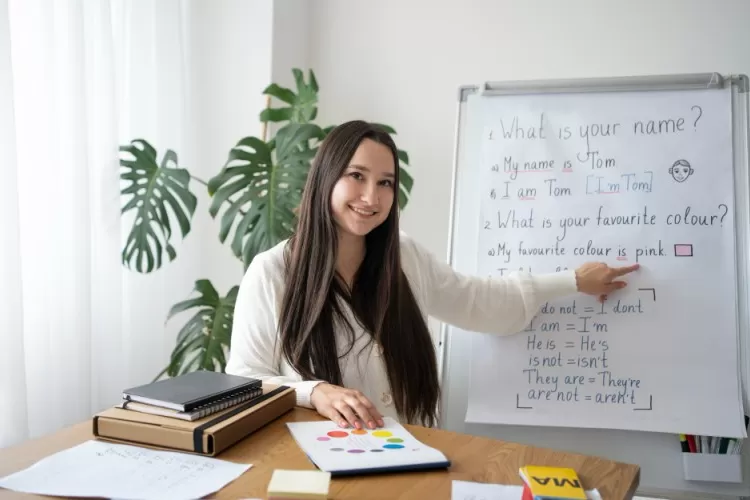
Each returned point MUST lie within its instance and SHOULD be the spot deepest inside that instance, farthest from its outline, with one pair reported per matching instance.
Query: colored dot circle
(337, 449)
(323, 438)
(395, 440)
(338, 434)
(393, 446)
(356, 451)
(382, 434)
(359, 431)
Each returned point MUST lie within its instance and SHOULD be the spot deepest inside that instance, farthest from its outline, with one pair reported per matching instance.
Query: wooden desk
(473, 459)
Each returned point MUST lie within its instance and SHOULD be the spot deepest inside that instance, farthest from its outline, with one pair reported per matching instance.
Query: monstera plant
(254, 194)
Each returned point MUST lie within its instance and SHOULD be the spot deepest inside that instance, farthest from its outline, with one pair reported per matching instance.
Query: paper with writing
(469, 490)
(621, 178)
(100, 469)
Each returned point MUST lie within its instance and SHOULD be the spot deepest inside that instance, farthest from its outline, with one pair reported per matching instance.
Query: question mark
(700, 113)
(726, 210)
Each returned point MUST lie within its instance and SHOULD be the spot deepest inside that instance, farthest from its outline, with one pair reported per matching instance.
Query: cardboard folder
(207, 436)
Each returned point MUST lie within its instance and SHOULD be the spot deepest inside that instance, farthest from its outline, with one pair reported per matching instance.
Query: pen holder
(712, 467)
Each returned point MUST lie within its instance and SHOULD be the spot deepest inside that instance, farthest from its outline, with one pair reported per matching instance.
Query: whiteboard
(643, 175)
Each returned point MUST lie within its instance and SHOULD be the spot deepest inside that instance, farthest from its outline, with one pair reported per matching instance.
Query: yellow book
(548, 483)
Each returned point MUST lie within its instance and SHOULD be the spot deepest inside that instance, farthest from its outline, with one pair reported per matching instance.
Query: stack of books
(201, 412)
(551, 483)
(191, 396)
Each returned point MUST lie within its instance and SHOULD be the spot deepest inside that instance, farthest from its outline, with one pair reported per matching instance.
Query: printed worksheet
(390, 447)
(101, 469)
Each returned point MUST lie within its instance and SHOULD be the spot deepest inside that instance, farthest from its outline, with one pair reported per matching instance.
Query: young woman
(338, 311)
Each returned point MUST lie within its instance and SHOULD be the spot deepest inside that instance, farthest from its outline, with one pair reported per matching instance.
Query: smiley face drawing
(681, 170)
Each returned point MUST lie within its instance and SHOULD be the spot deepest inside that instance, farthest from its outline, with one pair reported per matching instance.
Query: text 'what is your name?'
(541, 128)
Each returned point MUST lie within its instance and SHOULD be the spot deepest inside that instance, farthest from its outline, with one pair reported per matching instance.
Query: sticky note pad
(298, 484)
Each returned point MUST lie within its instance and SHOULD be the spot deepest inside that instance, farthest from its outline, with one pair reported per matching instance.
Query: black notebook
(191, 390)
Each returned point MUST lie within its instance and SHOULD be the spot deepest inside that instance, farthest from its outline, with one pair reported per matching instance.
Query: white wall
(231, 60)
(291, 40)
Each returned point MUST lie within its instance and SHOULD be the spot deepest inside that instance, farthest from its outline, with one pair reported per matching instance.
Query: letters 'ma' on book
(551, 483)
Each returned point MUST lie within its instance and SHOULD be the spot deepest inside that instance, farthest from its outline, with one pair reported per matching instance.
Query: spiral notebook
(192, 391)
(199, 412)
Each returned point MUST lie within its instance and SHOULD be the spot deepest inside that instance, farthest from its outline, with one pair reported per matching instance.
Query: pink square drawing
(683, 250)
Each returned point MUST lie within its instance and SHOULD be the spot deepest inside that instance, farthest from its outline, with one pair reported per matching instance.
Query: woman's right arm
(253, 350)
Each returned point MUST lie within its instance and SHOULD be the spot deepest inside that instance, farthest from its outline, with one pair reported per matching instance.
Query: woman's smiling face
(363, 195)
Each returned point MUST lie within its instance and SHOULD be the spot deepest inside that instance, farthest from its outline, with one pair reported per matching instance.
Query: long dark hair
(380, 296)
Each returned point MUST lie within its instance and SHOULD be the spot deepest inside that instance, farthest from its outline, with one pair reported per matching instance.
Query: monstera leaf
(202, 341)
(302, 105)
(154, 190)
(260, 186)
(406, 182)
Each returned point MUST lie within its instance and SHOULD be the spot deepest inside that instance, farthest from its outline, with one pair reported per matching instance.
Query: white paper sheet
(469, 490)
(622, 179)
(100, 469)
(334, 449)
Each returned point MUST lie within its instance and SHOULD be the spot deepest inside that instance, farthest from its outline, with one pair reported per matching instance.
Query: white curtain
(77, 79)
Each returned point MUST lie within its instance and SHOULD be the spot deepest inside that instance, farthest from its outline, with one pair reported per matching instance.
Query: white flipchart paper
(621, 178)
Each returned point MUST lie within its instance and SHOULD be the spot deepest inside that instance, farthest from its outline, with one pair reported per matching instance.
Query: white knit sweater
(499, 306)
